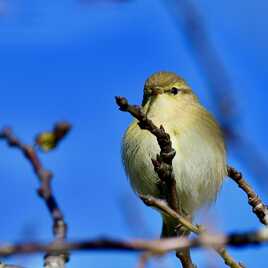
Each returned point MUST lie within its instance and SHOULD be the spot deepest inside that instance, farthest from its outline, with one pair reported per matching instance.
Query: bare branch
(45, 190)
(258, 207)
(163, 206)
(156, 247)
(163, 163)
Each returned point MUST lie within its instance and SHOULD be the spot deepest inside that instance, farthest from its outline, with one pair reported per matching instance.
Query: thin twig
(163, 163)
(44, 191)
(258, 207)
(164, 207)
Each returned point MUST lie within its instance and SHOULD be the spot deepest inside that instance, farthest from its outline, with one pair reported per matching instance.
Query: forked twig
(45, 192)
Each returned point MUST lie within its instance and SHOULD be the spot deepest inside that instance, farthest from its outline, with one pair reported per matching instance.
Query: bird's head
(165, 83)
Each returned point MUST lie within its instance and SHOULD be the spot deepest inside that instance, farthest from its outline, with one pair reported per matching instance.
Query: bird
(199, 165)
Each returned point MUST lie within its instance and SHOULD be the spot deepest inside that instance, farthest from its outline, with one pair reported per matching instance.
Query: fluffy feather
(199, 164)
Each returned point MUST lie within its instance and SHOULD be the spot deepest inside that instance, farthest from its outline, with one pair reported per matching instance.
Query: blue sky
(67, 61)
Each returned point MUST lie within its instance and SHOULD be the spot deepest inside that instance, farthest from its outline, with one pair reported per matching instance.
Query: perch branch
(163, 162)
(163, 167)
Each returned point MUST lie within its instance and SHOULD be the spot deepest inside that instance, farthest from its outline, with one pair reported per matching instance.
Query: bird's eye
(174, 91)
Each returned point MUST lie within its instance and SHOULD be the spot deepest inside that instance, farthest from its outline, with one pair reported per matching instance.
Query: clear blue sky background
(65, 60)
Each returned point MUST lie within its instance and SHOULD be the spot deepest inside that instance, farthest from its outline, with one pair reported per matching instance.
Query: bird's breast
(199, 165)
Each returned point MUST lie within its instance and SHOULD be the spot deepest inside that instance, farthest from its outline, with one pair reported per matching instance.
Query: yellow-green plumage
(199, 165)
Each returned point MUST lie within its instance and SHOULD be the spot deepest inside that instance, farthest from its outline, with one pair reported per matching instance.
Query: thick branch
(258, 207)
(156, 247)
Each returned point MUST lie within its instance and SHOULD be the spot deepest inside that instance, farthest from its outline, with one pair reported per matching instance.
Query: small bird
(200, 161)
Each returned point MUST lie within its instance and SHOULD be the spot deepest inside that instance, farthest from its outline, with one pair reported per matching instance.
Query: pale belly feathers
(199, 165)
